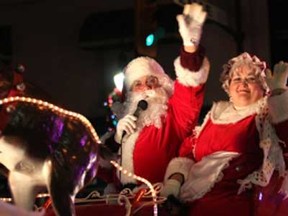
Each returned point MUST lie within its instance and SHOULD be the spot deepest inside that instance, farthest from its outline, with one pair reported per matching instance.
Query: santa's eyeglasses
(146, 82)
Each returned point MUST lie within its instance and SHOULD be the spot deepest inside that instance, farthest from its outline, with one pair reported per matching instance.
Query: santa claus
(150, 139)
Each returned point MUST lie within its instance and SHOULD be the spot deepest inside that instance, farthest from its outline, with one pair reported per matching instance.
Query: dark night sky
(46, 36)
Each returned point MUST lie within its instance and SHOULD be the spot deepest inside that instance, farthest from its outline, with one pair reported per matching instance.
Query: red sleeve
(186, 104)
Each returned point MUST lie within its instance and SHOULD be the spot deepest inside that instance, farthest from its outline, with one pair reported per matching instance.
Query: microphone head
(142, 104)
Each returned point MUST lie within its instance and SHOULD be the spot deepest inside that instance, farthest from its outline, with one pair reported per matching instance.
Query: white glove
(127, 124)
(171, 187)
(278, 79)
(190, 24)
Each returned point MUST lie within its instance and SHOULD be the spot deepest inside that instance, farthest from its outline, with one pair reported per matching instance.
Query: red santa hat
(143, 66)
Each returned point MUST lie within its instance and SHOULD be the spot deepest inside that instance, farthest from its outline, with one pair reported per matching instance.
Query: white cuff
(171, 187)
(278, 107)
(180, 165)
(192, 78)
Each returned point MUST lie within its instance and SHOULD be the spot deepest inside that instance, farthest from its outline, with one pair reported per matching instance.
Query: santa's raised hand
(190, 23)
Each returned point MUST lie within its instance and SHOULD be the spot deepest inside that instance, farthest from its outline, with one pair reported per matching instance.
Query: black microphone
(141, 106)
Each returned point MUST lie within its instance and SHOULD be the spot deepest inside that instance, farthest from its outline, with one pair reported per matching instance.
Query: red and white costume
(233, 150)
(148, 151)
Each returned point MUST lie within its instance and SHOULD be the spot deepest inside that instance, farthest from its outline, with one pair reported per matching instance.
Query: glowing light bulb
(118, 81)
(150, 39)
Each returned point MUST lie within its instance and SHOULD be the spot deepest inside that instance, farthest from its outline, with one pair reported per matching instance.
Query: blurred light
(110, 101)
(118, 81)
(150, 40)
(260, 196)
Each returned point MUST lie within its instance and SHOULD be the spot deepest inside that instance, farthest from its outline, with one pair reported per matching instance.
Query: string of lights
(55, 109)
(143, 180)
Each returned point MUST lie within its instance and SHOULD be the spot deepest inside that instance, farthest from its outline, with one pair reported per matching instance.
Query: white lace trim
(273, 154)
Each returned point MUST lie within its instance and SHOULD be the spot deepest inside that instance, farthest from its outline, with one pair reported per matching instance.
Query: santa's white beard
(157, 106)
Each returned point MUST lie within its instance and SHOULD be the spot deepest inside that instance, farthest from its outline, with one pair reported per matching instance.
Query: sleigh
(125, 203)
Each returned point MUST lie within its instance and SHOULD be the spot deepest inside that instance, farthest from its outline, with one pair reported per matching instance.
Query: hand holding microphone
(127, 125)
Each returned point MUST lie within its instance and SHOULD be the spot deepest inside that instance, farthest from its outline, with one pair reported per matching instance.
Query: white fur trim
(192, 78)
(127, 158)
(278, 107)
(142, 66)
(178, 165)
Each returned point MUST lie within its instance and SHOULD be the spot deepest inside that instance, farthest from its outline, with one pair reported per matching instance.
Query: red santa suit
(148, 151)
(234, 152)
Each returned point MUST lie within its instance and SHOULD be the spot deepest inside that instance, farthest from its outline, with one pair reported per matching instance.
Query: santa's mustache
(153, 97)
(157, 106)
